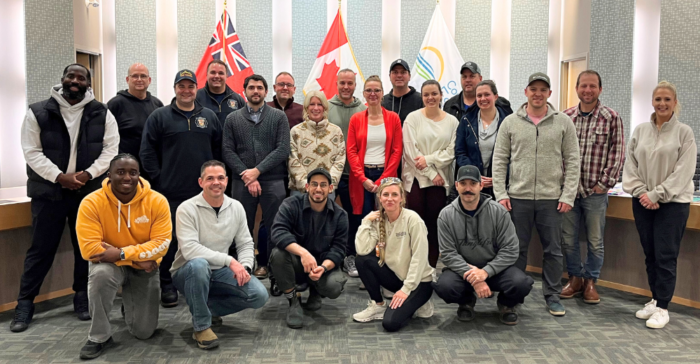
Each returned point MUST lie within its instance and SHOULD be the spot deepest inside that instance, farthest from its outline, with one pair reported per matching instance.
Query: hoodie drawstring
(119, 216)
(128, 221)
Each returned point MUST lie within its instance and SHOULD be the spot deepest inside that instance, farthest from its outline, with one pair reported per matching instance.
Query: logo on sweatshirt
(141, 220)
(201, 122)
(232, 104)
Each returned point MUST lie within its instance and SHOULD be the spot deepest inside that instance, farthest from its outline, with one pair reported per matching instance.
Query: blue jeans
(215, 292)
(370, 198)
(592, 209)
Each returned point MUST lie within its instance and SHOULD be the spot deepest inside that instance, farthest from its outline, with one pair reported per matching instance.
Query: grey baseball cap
(470, 66)
(539, 76)
(469, 172)
(399, 62)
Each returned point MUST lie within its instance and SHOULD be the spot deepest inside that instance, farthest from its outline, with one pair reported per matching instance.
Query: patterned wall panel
(528, 44)
(49, 45)
(612, 36)
(253, 19)
(679, 56)
(196, 20)
(309, 28)
(415, 18)
(135, 26)
(364, 25)
(473, 32)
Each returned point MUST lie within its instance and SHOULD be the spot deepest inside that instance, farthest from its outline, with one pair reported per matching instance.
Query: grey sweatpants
(140, 295)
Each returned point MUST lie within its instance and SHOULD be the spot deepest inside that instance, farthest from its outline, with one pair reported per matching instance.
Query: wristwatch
(249, 270)
(325, 270)
(121, 254)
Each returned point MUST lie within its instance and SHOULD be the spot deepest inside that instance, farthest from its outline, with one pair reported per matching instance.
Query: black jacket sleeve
(151, 148)
(340, 241)
(282, 229)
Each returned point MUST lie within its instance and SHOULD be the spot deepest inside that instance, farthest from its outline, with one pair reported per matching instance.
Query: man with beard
(177, 140)
(402, 99)
(216, 95)
(131, 108)
(124, 230)
(256, 148)
(309, 234)
(68, 141)
(479, 249)
(284, 99)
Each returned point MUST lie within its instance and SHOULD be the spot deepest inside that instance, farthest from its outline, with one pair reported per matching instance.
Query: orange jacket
(142, 227)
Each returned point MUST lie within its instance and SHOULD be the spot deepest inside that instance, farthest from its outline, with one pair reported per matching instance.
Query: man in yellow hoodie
(124, 230)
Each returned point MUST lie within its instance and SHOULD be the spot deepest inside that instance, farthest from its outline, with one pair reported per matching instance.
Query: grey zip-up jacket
(340, 114)
(538, 156)
(487, 240)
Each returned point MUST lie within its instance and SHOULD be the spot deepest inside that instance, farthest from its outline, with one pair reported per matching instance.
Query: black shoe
(23, 316)
(315, 301)
(295, 314)
(123, 314)
(465, 313)
(168, 298)
(508, 315)
(274, 289)
(81, 305)
(92, 350)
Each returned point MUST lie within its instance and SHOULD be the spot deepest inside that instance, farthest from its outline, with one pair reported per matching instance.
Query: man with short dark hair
(601, 143)
(463, 105)
(479, 249)
(284, 99)
(256, 147)
(68, 141)
(538, 145)
(124, 230)
(309, 234)
(216, 95)
(131, 108)
(177, 139)
(402, 99)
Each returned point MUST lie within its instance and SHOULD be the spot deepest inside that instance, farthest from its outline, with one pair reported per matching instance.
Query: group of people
(162, 200)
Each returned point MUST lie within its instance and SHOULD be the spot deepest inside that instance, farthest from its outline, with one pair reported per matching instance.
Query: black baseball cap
(185, 74)
(399, 62)
(539, 76)
(319, 170)
(470, 66)
(469, 172)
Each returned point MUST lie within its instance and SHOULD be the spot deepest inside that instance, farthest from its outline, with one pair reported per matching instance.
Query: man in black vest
(131, 108)
(68, 141)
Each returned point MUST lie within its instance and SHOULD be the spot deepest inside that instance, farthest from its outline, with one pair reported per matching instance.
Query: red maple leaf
(327, 81)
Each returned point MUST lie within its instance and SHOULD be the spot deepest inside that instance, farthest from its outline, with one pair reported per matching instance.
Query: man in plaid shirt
(601, 143)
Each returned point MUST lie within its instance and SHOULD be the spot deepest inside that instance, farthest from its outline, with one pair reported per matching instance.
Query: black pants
(427, 203)
(48, 221)
(661, 232)
(512, 283)
(373, 276)
(273, 193)
(354, 221)
(166, 280)
(289, 271)
(544, 216)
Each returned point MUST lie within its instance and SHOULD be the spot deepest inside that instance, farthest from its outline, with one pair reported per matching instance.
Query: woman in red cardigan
(374, 148)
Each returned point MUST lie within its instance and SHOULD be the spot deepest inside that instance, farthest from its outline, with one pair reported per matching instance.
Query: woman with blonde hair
(392, 252)
(658, 173)
(315, 143)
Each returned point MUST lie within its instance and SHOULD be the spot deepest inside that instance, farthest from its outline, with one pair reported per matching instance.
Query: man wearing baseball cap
(538, 144)
(402, 99)
(177, 139)
(463, 105)
(479, 249)
(310, 234)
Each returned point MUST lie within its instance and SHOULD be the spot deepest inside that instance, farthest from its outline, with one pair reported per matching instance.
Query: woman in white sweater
(658, 173)
(428, 161)
(315, 143)
(392, 252)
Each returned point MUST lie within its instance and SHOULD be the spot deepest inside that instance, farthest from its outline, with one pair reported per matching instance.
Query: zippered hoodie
(403, 105)
(142, 227)
(340, 114)
(230, 103)
(538, 156)
(486, 240)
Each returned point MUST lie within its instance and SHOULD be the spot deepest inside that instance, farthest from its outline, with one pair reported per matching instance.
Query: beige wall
(87, 25)
(576, 28)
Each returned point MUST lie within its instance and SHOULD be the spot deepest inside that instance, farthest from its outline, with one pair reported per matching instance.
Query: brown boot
(590, 295)
(573, 288)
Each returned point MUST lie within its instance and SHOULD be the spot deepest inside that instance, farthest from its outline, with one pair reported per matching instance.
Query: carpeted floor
(604, 333)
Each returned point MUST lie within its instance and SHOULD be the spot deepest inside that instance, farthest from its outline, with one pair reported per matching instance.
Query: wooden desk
(620, 207)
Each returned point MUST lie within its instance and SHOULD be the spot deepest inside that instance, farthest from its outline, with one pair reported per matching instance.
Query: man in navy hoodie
(216, 95)
(177, 140)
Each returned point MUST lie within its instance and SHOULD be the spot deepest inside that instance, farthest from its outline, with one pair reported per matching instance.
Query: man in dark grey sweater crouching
(479, 248)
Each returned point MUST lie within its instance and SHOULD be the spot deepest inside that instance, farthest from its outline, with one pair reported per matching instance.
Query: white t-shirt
(376, 144)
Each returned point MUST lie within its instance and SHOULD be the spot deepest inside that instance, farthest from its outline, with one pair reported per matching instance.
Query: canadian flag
(335, 54)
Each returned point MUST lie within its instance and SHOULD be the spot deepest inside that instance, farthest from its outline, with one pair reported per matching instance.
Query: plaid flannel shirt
(602, 146)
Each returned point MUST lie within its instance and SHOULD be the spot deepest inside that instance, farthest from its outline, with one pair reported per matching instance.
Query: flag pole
(224, 24)
(340, 15)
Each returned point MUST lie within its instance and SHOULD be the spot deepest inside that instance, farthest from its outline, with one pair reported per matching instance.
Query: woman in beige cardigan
(315, 143)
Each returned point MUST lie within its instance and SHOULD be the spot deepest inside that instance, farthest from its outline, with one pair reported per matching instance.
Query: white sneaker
(371, 313)
(648, 310)
(425, 311)
(387, 293)
(659, 319)
(350, 267)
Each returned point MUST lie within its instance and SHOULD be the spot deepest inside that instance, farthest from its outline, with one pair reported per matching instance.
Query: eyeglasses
(316, 184)
(390, 180)
(370, 91)
(283, 85)
(141, 76)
